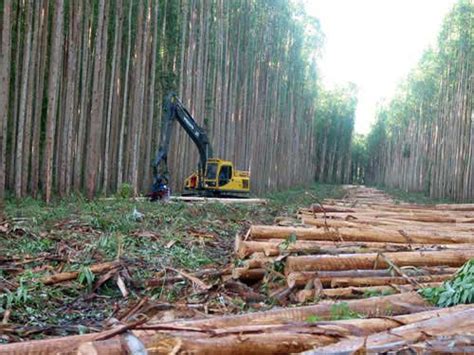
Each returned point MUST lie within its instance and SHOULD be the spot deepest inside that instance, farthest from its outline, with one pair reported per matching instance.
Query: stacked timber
(333, 265)
(364, 244)
(279, 331)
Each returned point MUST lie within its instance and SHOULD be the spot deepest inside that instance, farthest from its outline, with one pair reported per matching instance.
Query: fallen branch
(71, 275)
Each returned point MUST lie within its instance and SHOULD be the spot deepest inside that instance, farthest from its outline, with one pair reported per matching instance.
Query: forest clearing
(337, 276)
(184, 177)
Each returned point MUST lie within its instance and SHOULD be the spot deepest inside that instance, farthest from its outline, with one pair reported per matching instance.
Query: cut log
(153, 338)
(273, 247)
(357, 292)
(326, 209)
(382, 281)
(353, 234)
(300, 279)
(453, 258)
(336, 223)
(462, 224)
(373, 307)
(455, 207)
(459, 322)
(273, 339)
(248, 275)
(71, 275)
(267, 343)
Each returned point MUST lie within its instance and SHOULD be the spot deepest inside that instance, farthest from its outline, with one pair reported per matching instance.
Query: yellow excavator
(213, 177)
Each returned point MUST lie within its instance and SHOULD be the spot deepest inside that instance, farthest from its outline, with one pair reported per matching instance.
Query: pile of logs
(387, 323)
(359, 246)
(363, 255)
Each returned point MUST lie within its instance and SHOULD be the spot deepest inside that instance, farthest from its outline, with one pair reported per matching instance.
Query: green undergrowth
(338, 311)
(458, 290)
(73, 234)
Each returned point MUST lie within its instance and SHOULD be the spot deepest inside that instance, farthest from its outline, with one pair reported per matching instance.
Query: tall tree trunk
(53, 96)
(25, 78)
(5, 53)
(115, 58)
(120, 165)
(97, 107)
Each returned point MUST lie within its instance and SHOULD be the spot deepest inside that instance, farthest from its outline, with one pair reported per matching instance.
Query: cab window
(211, 172)
(225, 175)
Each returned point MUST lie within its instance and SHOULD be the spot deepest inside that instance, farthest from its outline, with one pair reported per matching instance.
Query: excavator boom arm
(174, 110)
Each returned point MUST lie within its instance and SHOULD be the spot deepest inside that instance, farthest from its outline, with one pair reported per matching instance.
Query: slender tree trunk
(39, 94)
(120, 166)
(115, 58)
(5, 53)
(53, 96)
(95, 128)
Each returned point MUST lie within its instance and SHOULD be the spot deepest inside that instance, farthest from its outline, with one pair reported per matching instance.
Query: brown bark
(454, 258)
(116, 55)
(366, 277)
(97, 107)
(273, 247)
(248, 275)
(25, 79)
(351, 234)
(39, 89)
(458, 322)
(373, 307)
(381, 281)
(71, 275)
(5, 53)
(358, 292)
(216, 331)
(53, 96)
(66, 154)
(121, 152)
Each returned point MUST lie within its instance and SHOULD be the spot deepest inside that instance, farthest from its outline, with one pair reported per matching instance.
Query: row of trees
(423, 139)
(82, 84)
(334, 126)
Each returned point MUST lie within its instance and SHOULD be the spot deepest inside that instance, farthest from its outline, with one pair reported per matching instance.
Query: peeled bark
(234, 331)
(458, 322)
(373, 307)
(380, 281)
(357, 292)
(365, 277)
(454, 258)
(351, 234)
(275, 247)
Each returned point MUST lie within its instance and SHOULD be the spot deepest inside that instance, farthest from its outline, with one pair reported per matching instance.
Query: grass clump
(125, 191)
(341, 311)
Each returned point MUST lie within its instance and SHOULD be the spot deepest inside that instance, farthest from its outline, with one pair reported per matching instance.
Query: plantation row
(83, 82)
(423, 139)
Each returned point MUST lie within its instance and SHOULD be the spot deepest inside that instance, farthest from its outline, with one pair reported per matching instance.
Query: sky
(375, 43)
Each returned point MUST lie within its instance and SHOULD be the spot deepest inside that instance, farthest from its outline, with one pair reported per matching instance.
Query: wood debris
(352, 288)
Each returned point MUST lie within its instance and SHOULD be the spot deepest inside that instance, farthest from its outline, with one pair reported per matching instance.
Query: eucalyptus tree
(426, 133)
(82, 87)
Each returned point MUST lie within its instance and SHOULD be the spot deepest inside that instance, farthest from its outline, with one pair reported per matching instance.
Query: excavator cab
(220, 177)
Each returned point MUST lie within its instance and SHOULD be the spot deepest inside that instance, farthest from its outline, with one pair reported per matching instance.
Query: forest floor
(140, 260)
(330, 268)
